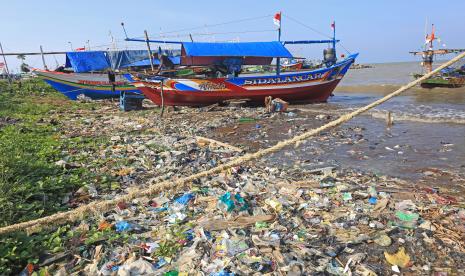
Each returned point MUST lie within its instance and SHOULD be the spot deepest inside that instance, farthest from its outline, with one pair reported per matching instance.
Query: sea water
(428, 130)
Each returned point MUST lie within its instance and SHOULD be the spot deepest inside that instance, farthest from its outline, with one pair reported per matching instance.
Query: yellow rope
(97, 207)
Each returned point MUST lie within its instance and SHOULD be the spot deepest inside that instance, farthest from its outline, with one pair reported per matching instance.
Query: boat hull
(311, 94)
(444, 83)
(297, 87)
(94, 86)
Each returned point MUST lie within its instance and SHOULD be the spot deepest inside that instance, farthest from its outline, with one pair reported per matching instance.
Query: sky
(381, 31)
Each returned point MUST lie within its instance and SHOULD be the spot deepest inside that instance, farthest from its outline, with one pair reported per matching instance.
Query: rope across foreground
(99, 207)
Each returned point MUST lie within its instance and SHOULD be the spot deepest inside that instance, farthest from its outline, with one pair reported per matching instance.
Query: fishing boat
(293, 87)
(448, 77)
(226, 81)
(291, 65)
(92, 85)
(97, 74)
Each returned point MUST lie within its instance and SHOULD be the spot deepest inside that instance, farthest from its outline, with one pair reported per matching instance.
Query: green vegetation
(173, 242)
(31, 184)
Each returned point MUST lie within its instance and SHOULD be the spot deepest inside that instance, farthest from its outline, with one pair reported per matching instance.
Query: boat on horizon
(448, 77)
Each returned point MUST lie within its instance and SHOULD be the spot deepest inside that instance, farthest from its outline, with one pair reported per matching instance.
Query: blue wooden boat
(93, 73)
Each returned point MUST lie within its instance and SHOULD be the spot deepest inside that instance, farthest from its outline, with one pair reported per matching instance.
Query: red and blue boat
(224, 80)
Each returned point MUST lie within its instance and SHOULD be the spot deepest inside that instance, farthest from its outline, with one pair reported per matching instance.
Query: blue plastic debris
(157, 210)
(161, 262)
(372, 200)
(184, 199)
(123, 226)
(233, 202)
(189, 234)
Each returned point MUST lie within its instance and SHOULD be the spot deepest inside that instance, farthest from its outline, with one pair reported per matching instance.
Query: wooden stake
(150, 51)
(389, 120)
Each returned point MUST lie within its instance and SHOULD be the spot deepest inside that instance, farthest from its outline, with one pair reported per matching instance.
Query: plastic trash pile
(253, 221)
(248, 220)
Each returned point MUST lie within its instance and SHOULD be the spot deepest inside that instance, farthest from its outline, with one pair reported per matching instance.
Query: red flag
(432, 33)
(430, 38)
(81, 49)
(277, 19)
(333, 25)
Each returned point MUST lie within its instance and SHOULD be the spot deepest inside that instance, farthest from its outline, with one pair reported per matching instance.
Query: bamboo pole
(6, 65)
(43, 58)
(33, 53)
(149, 50)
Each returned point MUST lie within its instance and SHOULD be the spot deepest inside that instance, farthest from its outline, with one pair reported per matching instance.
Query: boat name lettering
(99, 82)
(209, 86)
(283, 79)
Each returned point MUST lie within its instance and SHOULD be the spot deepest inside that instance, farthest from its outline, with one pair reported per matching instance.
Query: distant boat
(448, 77)
(93, 73)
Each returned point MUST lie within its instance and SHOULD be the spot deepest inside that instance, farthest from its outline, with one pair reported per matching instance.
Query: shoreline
(383, 89)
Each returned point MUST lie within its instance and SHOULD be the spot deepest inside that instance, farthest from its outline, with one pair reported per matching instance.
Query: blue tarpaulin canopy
(87, 61)
(236, 49)
(146, 62)
(119, 59)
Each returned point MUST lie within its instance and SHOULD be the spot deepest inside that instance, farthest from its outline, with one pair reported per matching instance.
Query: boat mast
(149, 50)
(334, 37)
(429, 53)
(278, 60)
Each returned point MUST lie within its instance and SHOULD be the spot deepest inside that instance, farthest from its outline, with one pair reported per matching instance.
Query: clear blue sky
(381, 31)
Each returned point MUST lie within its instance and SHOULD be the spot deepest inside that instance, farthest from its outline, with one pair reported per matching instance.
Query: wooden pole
(150, 51)
(33, 53)
(334, 37)
(278, 60)
(389, 120)
(6, 65)
(162, 99)
(43, 58)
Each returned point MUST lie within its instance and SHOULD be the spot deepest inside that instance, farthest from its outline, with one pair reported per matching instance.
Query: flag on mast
(333, 25)
(277, 19)
(432, 37)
